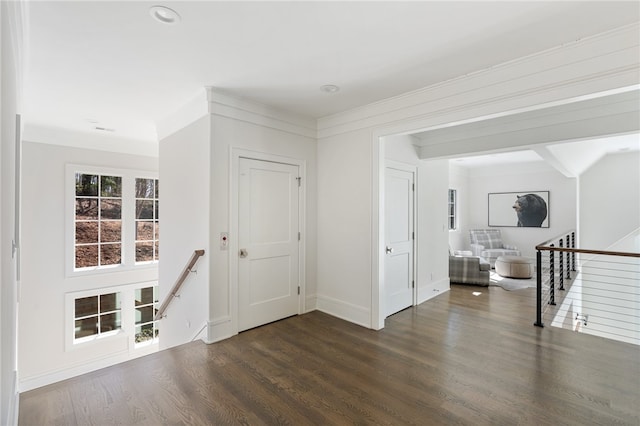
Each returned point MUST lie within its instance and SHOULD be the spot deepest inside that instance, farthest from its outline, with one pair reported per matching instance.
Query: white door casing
(399, 239)
(268, 242)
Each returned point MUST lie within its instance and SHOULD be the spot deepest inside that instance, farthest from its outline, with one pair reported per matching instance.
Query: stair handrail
(176, 287)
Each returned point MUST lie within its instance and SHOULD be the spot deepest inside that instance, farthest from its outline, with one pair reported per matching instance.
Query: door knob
(243, 253)
(389, 250)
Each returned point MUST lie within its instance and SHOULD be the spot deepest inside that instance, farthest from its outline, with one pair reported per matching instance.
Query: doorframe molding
(235, 154)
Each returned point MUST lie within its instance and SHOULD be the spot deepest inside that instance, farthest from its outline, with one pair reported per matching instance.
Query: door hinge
(413, 186)
(298, 236)
(299, 179)
(413, 284)
(413, 235)
(298, 290)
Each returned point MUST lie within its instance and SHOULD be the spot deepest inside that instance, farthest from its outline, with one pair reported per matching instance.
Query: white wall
(609, 200)
(433, 233)
(523, 178)
(345, 226)
(185, 210)
(44, 283)
(10, 90)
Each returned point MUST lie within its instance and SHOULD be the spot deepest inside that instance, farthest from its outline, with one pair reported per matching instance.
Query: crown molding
(564, 74)
(86, 140)
(225, 104)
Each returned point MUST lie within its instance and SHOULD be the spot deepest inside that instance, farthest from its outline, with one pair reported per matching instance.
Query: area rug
(511, 283)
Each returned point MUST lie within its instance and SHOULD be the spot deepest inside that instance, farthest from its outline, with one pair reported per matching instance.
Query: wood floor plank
(458, 359)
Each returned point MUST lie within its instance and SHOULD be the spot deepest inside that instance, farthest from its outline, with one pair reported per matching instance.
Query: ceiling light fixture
(329, 88)
(164, 15)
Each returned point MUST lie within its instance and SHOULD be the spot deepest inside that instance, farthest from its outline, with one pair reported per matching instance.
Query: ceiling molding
(226, 105)
(88, 140)
(596, 64)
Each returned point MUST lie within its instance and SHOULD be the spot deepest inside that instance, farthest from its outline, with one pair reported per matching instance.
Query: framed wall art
(519, 209)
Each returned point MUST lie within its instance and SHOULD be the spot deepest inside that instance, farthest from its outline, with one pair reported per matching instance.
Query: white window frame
(127, 331)
(155, 305)
(455, 209)
(128, 261)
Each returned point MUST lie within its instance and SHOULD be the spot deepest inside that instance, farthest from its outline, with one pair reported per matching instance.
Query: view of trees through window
(147, 225)
(98, 220)
(146, 310)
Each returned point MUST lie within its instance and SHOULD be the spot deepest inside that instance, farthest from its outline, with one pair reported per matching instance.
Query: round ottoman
(514, 267)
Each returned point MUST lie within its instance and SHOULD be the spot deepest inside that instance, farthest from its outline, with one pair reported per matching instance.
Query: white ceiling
(109, 64)
(573, 157)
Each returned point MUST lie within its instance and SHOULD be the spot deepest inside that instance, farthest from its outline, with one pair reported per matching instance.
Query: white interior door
(399, 239)
(268, 264)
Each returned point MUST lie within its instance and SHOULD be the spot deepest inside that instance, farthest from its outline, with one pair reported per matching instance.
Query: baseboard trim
(219, 329)
(343, 310)
(433, 289)
(310, 303)
(33, 382)
(14, 403)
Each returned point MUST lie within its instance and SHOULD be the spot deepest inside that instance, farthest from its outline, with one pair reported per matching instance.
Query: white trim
(127, 307)
(88, 140)
(83, 367)
(14, 401)
(226, 105)
(235, 155)
(347, 311)
(433, 289)
(559, 74)
(220, 329)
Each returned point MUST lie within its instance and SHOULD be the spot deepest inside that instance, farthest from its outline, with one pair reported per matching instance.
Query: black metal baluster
(538, 322)
(561, 266)
(552, 277)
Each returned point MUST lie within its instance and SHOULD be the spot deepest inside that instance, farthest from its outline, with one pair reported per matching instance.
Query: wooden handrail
(183, 276)
(602, 252)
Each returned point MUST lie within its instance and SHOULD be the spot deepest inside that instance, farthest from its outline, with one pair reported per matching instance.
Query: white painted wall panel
(433, 233)
(184, 224)
(345, 227)
(43, 280)
(609, 200)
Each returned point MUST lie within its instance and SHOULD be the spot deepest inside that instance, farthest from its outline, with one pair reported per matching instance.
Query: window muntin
(147, 220)
(452, 206)
(97, 220)
(146, 301)
(96, 316)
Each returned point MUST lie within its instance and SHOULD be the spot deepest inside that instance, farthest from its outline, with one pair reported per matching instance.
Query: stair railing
(176, 287)
(565, 246)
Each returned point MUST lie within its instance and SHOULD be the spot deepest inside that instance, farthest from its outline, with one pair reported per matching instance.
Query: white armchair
(488, 244)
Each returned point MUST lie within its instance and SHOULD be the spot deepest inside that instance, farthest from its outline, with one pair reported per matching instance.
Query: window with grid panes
(97, 315)
(98, 220)
(147, 220)
(146, 300)
(452, 207)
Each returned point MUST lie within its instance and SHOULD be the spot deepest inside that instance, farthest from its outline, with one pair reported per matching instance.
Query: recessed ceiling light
(164, 15)
(329, 88)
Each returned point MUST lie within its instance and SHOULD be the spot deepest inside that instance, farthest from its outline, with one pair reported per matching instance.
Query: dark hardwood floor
(456, 359)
